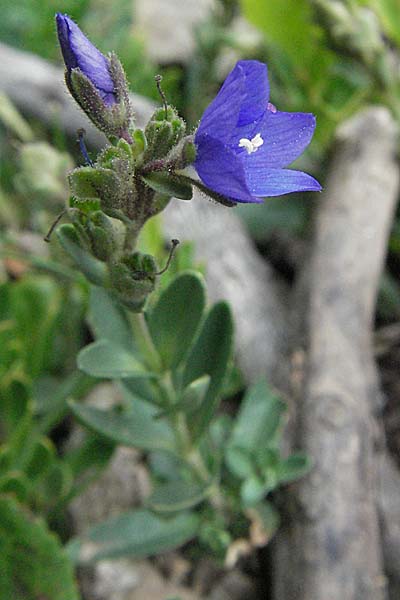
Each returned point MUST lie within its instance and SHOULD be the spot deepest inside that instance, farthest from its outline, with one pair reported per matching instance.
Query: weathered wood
(331, 547)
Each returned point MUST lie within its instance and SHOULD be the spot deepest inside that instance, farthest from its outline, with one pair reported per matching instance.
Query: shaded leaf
(115, 328)
(293, 467)
(210, 356)
(93, 269)
(175, 496)
(174, 319)
(258, 419)
(138, 534)
(109, 360)
(135, 426)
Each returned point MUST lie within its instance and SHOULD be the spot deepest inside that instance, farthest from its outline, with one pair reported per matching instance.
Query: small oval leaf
(174, 319)
(209, 356)
(109, 360)
(175, 496)
(134, 427)
(139, 533)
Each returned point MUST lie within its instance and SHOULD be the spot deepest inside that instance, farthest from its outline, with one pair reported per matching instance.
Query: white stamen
(251, 145)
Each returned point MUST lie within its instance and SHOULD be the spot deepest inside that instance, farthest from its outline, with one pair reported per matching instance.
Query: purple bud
(79, 53)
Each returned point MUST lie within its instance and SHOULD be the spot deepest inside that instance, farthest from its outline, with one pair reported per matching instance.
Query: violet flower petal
(241, 101)
(220, 169)
(285, 137)
(265, 182)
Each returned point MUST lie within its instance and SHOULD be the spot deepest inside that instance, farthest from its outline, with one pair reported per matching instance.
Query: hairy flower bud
(95, 81)
(164, 130)
(133, 279)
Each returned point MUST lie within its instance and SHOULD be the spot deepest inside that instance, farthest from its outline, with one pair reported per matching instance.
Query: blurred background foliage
(331, 58)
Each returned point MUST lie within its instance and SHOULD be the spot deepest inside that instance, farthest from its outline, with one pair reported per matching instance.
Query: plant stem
(142, 338)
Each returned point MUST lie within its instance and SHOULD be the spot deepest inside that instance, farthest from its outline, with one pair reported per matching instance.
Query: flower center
(251, 145)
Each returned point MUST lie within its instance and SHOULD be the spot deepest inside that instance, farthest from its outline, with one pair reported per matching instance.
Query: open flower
(243, 143)
(79, 53)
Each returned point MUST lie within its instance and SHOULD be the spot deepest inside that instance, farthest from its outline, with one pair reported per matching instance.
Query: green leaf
(175, 318)
(168, 185)
(134, 426)
(259, 418)
(239, 461)
(91, 267)
(138, 534)
(109, 360)
(252, 491)
(42, 457)
(33, 564)
(16, 483)
(52, 406)
(210, 356)
(93, 453)
(293, 467)
(175, 496)
(194, 394)
(56, 484)
(87, 461)
(115, 328)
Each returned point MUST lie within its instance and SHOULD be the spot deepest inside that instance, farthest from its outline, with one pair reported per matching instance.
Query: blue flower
(243, 143)
(79, 53)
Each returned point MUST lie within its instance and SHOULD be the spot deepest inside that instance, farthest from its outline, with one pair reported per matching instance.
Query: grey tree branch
(331, 547)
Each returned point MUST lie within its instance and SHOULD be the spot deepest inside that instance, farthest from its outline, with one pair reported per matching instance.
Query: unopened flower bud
(95, 81)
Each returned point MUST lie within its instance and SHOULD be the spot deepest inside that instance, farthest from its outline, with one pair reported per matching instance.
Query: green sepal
(125, 148)
(91, 267)
(114, 120)
(85, 206)
(139, 142)
(122, 110)
(164, 130)
(182, 155)
(88, 182)
(131, 285)
(106, 238)
(168, 185)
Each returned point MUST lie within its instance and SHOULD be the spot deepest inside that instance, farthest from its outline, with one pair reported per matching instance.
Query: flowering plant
(239, 151)
(168, 353)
